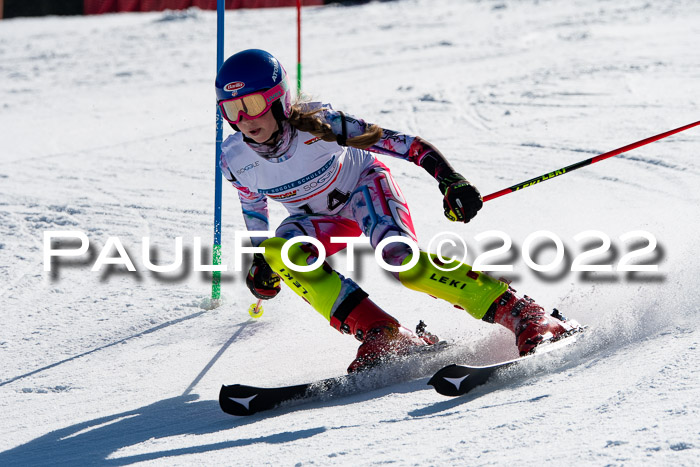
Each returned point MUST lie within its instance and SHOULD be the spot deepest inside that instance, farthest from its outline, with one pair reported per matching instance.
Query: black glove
(261, 279)
(461, 199)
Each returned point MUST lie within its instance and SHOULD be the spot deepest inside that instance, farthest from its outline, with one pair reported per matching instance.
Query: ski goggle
(251, 105)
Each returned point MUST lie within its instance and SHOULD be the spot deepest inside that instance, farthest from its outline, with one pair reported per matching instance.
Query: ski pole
(256, 310)
(592, 160)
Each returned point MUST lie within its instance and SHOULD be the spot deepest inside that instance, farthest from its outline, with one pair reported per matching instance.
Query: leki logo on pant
(448, 281)
(289, 279)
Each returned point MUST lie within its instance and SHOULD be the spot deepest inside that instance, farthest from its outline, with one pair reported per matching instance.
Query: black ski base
(241, 400)
(456, 380)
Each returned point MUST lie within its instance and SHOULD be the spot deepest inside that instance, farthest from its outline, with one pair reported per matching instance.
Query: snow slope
(107, 129)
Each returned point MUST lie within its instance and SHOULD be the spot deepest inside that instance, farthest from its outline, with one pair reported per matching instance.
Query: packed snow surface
(107, 128)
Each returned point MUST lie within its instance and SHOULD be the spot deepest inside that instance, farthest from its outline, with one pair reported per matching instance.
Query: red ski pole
(592, 160)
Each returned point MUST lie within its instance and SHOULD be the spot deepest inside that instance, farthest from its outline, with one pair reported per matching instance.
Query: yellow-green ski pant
(323, 288)
(473, 291)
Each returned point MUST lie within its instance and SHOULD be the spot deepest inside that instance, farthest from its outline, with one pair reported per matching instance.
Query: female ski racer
(320, 164)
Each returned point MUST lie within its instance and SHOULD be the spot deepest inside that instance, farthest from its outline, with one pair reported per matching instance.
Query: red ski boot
(381, 335)
(528, 321)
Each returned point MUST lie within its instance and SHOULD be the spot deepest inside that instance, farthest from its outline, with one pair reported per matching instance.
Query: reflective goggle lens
(252, 105)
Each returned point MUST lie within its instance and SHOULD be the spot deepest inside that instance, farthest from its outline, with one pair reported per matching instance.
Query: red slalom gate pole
(592, 160)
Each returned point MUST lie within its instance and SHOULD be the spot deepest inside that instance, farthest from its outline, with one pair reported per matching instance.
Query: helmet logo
(234, 86)
(275, 70)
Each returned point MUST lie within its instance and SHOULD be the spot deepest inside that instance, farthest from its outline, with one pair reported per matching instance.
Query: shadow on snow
(95, 441)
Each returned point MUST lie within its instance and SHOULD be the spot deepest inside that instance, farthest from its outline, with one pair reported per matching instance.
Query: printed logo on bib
(297, 183)
(312, 140)
(284, 195)
(248, 167)
(320, 181)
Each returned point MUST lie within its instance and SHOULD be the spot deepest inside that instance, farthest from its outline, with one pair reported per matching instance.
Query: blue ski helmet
(253, 71)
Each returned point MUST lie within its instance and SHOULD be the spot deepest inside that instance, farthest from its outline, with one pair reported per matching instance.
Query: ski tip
(234, 403)
(448, 381)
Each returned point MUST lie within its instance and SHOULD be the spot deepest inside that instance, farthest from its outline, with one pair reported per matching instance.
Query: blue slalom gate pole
(216, 250)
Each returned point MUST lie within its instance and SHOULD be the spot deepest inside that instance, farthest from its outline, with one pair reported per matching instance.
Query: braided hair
(308, 121)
